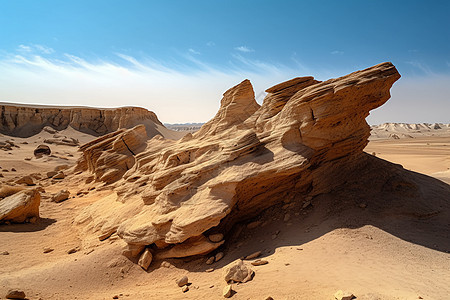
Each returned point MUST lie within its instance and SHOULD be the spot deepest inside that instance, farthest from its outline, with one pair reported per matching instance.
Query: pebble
(183, 281)
(210, 260)
(259, 262)
(5, 253)
(215, 238)
(47, 250)
(253, 255)
(219, 256)
(185, 289)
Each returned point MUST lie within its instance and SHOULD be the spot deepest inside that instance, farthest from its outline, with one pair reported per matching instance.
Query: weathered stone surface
(146, 259)
(42, 150)
(110, 156)
(132, 250)
(237, 271)
(193, 246)
(61, 196)
(248, 157)
(27, 120)
(20, 206)
(50, 174)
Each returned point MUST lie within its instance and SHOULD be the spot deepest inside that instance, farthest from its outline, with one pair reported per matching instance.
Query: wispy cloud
(35, 48)
(424, 68)
(210, 44)
(185, 92)
(244, 49)
(337, 52)
(194, 51)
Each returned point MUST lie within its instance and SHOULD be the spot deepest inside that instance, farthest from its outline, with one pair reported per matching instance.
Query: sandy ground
(331, 245)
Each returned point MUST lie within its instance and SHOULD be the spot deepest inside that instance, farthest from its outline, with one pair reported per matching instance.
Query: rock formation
(19, 207)
(298, 143)
(26, 120)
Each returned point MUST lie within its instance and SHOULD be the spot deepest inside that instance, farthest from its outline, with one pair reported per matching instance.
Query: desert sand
(377, 243)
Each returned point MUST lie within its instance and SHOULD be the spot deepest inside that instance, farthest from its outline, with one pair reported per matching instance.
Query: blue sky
(176, 58)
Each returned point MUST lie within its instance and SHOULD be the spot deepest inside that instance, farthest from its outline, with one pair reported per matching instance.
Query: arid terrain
(381, 232)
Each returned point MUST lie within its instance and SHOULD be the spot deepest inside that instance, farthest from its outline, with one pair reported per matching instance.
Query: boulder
(15, 294)
(238, 271)
(42, 150)
(61, 196)
(27, 180)
(59, 175)
(20, 206)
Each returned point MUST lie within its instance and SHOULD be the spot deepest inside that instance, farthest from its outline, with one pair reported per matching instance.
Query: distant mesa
(306, 139)
(23, 120)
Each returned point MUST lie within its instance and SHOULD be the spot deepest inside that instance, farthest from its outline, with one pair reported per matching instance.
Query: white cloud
(191, 91)
(44, 49)
(337, 52)
(210, 44)
(35, 49)
(244, 49)
(194, 51)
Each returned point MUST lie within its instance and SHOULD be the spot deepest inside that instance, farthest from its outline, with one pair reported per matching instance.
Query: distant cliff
(25, 120)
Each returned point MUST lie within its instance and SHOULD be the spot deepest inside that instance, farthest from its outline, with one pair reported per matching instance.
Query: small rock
(59, 175)
(253, 225)
(219, 256)
(166, 264)
(146, 259)
(15, 294)
(73, 250)
(363, 205)
(185, 289)
(209, 270)
(116, 297)
(287, 217)
(253, 255)
(132, 250)
(26, 180)
(13, 170)
(33, 220)
(61, 196)
(210, 260)
(259, 262)
(47, 250)
(215, 238)
(51, 174)
(183, 281)
(269, 298)
(5, 253)
(306, 204)
(227, 291)
(237, 272)
(343, 295)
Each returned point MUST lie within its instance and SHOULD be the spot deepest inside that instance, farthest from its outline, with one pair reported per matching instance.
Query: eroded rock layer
(246, 159)
(26, 120)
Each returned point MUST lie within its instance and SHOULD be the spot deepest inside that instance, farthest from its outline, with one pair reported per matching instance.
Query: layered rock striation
(298, 143)
(26, 120)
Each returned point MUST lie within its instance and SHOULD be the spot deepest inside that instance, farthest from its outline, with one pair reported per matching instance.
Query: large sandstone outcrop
(246, 159)
(26, 120)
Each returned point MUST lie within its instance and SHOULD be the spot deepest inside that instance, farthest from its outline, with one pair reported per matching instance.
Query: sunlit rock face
(298, 143)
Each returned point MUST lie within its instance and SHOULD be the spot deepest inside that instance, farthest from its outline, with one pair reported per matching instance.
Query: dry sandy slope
(333, 244)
